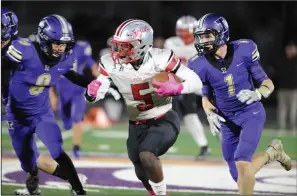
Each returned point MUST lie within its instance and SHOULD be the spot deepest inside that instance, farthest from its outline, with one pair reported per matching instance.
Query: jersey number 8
(42, 81)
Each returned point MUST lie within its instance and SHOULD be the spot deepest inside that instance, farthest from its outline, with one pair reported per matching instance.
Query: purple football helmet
(211, 24)
(55, 29)
(9, 24)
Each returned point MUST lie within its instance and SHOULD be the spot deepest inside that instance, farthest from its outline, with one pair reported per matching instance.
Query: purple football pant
(24, 143)
(241, 135)
(71, 110)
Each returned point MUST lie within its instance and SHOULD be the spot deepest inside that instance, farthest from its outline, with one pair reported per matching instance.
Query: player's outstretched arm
(97, 89)
(53, 99)
(192, 83)
(77, 79)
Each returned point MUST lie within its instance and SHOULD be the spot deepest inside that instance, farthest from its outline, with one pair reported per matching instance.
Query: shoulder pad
(248, 49)
(19, 50)
(165, 59)
(106, 64)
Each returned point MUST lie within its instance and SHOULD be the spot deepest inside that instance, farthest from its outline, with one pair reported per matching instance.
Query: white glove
(116, 95)
(214, 122)
(248, 96)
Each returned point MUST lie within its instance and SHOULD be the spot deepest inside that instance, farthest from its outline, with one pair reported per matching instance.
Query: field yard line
(91, 189)
(48, 187)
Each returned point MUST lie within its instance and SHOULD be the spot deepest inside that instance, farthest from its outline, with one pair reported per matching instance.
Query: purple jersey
(223, 80)
(83, 54)
(29, 86)
(6, 74)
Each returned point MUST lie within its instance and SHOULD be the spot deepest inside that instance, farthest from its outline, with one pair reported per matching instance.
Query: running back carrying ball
(163, 77)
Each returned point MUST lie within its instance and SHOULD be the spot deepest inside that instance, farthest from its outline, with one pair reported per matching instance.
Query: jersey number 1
(136, 88)
(231, 88)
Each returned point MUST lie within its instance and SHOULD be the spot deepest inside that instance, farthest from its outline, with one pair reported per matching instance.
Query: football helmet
(131, 41)
(214, 26)
(185, 27)
(9, 24)
(55, 29)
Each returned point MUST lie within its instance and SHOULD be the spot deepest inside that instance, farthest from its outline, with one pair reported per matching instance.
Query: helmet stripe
(122, 26)
(64, 25)
(201, 21)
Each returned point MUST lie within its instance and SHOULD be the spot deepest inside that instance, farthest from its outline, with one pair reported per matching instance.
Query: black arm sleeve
(7, 64)
(78, 79)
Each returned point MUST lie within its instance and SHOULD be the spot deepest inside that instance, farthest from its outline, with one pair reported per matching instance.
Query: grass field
(110, 172)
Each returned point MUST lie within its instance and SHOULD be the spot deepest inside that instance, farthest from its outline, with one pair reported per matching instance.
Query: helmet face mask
(123, 52)
(212, 33)
(206, 41)
(132, 40)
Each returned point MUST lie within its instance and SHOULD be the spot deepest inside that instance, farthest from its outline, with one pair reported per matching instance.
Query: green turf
(9, 190)
(185, 145)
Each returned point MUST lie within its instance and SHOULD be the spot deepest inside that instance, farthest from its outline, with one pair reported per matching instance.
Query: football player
(37, 66)
(153, 125)
(183, 47)
(232, 101)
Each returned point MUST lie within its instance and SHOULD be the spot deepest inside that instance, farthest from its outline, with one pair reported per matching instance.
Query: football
(163, 77)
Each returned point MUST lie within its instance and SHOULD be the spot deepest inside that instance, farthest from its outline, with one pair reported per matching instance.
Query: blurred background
(272, 25)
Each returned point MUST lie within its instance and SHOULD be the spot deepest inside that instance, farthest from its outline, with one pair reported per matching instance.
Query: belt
(147, 121)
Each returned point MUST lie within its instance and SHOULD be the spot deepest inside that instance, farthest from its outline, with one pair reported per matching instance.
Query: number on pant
(42, 81)
(231, 88)
(148, 101)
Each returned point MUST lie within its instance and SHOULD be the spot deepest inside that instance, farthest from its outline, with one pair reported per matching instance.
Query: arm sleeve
(192, 83)
(77, 79)
(254, 67)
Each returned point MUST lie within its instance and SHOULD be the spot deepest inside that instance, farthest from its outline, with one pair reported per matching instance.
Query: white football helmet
(131, 41)
(185, 27)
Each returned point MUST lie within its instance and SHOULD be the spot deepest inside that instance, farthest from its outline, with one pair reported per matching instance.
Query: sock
(59, 173)
(69, 171)
(76, 147)
(194, 125)
(159, 188)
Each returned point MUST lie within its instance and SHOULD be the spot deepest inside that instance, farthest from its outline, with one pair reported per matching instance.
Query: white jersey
(135, 85)
(182, 51)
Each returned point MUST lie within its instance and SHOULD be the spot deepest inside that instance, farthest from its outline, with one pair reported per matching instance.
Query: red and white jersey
(135, 85)
(181, 50)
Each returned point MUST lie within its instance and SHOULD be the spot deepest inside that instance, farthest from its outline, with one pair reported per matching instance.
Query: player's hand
(116, 95)
(170, 88)
(214, 122)
(248, 96)
(93, 88)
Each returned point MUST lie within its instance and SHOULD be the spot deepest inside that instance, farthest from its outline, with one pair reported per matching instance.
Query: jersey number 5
(42, 81)
(231, 88)
(136, 88)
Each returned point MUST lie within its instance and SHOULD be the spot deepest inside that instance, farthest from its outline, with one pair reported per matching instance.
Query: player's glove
(170, 88)
(116, 95)
(214, 122)
(248, 96)
(93, 88)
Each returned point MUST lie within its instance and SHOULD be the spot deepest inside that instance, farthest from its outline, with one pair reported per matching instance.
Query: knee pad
(233, 170)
